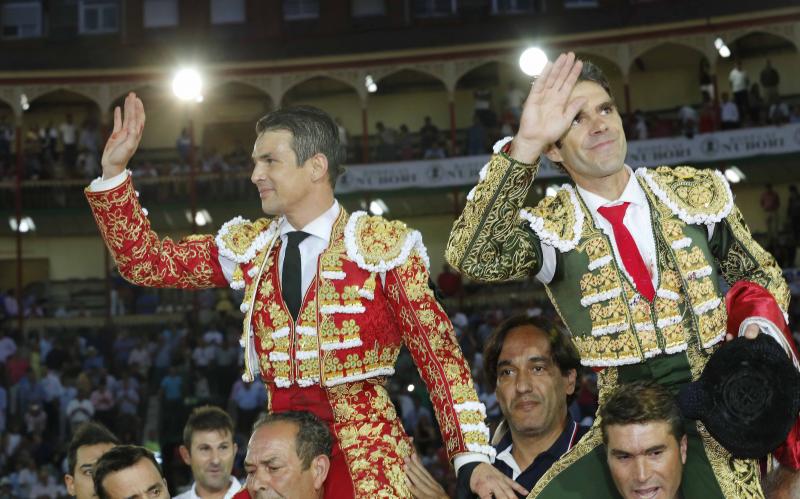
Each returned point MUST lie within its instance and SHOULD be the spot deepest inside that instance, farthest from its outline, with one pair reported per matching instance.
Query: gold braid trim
(746, 260)
(489, 242)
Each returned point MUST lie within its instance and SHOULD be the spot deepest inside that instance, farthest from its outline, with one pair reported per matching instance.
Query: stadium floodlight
(532, 61)
(187, 85)
(378, 207)
(718, 43)
(734, 175)
(25, 224)
(725, 52)
(369, 82)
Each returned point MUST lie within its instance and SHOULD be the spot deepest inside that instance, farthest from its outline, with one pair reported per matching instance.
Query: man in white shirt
(740, 83)
(729, 113)
(69, 140)
(330, 298)
(208, 448)
(631, 260)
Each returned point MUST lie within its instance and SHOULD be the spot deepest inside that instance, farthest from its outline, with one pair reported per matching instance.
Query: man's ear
(69, 481)
(319, 470)
(185, 455)
(684, 446)
(319, 167)
(553, 153)
(572, 376)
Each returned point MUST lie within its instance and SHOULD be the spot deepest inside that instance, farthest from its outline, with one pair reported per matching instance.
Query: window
(367, 8)
(434, 8)
(160, 13)
(97, 16)
(511, 6)
(227, 11)
(300, 9)
(580, 4)
(22, 20)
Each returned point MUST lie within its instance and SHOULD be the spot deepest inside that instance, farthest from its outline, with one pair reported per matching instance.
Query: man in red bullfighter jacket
(329, 299)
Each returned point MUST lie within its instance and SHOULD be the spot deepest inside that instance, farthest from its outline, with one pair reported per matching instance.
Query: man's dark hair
(206, 418)
(562, 350)
(641, 402)
(88, 433)
(118, 459)
(313, 438)
(313, 131)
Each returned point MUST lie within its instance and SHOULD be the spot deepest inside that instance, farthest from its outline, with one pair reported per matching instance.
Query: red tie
(628, 251)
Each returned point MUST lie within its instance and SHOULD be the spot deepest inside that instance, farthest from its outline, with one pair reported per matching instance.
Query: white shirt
(68, 133)
(319, 231)
(738, 79)
(729, 112)
(192, 493)
(637, 220)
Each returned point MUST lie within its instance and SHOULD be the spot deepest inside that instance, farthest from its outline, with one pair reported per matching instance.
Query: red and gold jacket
(370, 296)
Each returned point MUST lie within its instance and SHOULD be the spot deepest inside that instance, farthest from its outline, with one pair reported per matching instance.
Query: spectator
(449, 282)
(387, 142)
(406, 144)
(483, 108)
(476, 138)
(301, 443)
(80, 409)
(46, 486)
(208, 448)
(533, 367)
(640, 125)
(740, 82)
(706, 82)
(645, 440)
(90, 441)
(770, 203)
(770, 79)
(756, 104)
(436, 151)
(729, 113)
(10, 304)
(103, 402)
(689, 118)
(127, 396)
(139, 359)
(7, 346)
(250, 399)
(69, 140)
(779, 113)
(794, 114)
(127, 471)
(35, 420)
(428, 134)
(184, 145)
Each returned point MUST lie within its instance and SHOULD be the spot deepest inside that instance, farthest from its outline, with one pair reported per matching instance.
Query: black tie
(292, 273)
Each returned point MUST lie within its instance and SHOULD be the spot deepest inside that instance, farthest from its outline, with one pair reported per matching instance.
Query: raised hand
(125, 137)
(548, 112)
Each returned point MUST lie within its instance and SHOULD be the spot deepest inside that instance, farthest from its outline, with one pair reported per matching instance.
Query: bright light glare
(369, 82)
(187, 85)
(725, 52)
(410, 388)
(378, 207)
(25, 224)
(551, 191)
(734, 175)
(718, 43)
(532, 61)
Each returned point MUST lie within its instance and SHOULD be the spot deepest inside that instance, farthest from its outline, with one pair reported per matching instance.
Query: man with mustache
(631, 260)
(208, 448)
(329, 299)
(645, 441)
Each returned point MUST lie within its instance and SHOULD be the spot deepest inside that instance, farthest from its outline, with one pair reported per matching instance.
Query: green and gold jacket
(496, 239)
